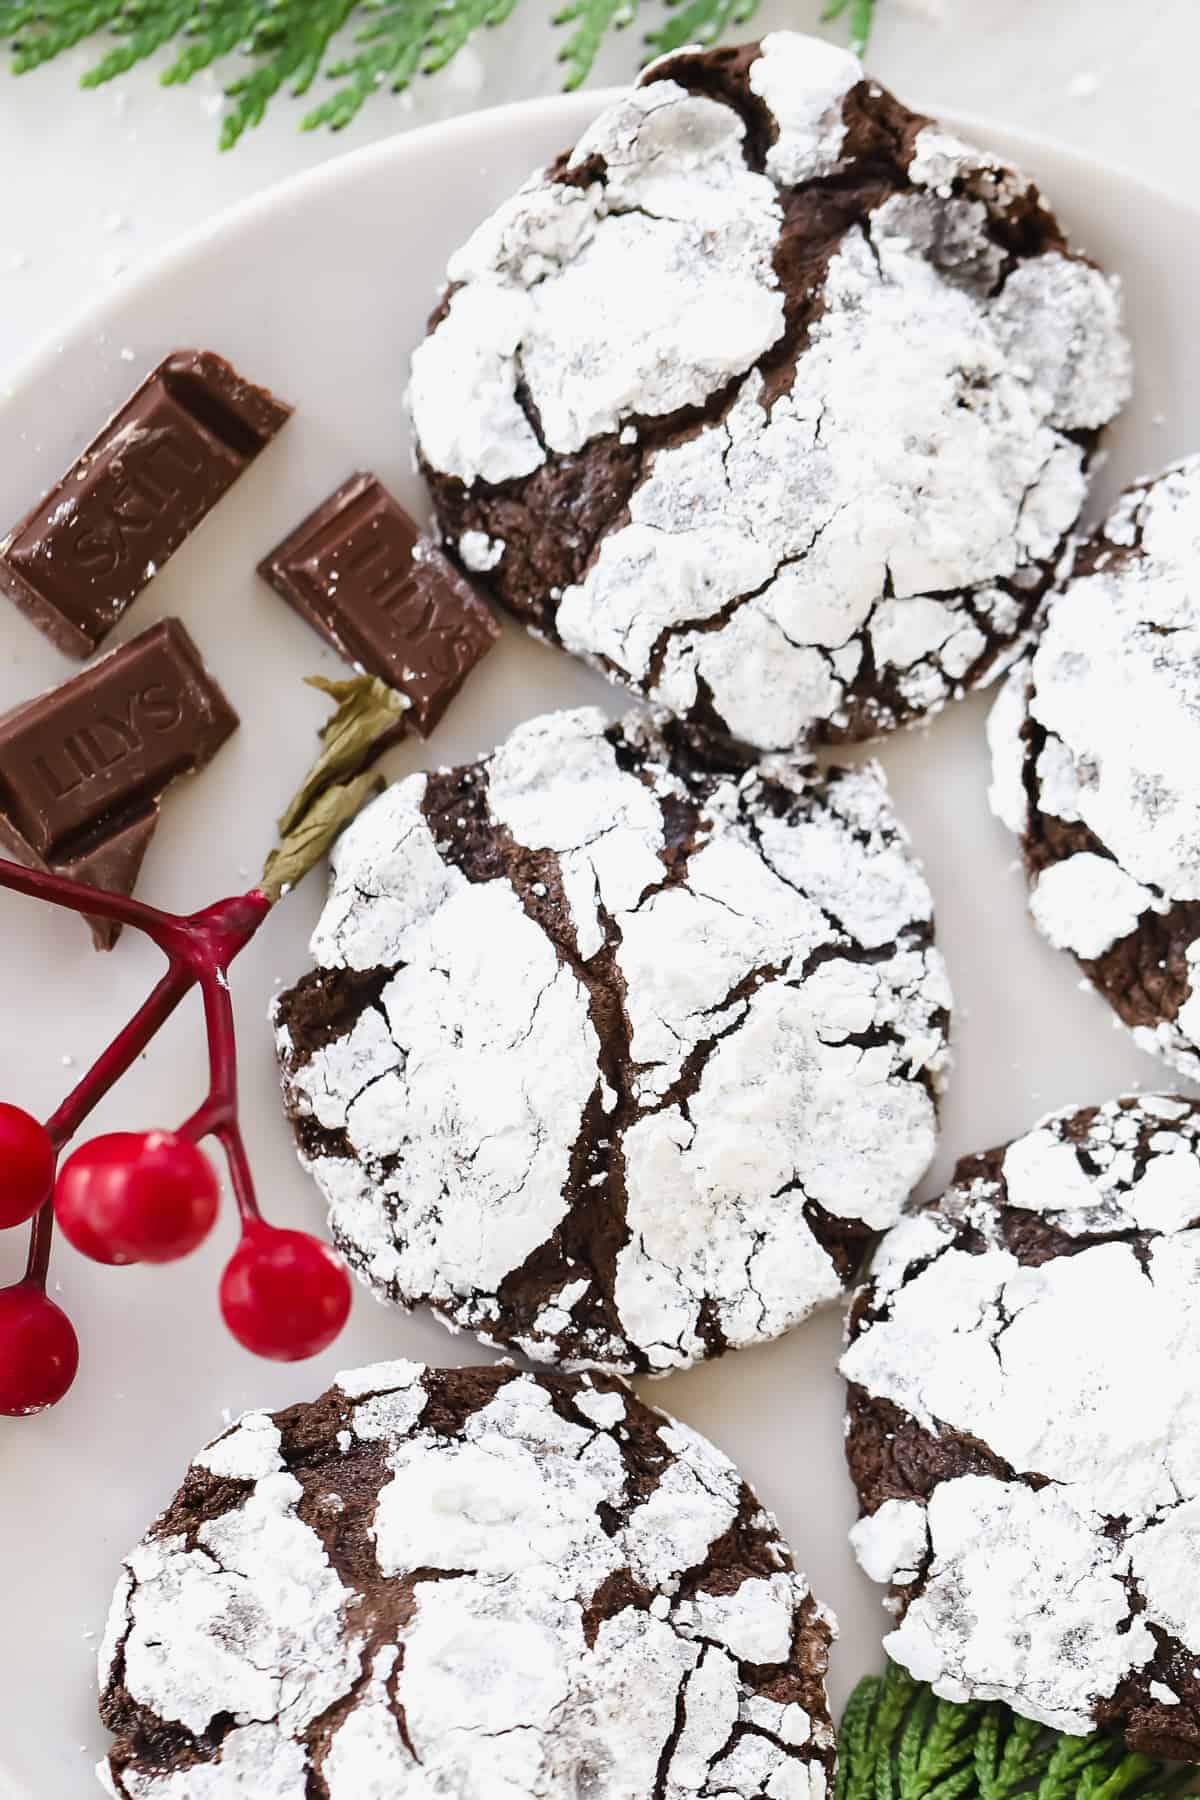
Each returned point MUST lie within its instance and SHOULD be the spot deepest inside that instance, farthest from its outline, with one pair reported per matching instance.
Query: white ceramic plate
(320, 290)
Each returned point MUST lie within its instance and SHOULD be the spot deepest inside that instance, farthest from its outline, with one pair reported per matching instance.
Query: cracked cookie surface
(1096, 744)
(1023, 1422)
(467, 1581)
(615, 1054)
(771, 398)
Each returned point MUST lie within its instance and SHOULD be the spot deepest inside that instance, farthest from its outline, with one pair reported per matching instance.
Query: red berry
(39, 1352)
(26, 1165)
(137, 1196)
(284, 1294)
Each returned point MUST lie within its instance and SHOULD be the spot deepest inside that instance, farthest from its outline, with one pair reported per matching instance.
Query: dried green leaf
(367, 711)
(340, 782)
(310, 838)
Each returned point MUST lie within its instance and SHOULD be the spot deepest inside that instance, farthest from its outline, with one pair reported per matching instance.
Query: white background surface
(78, 1485)
(93, 184)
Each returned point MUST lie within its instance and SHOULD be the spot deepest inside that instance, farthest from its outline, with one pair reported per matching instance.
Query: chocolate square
(83, 768)
(77, 562)
(358, 570)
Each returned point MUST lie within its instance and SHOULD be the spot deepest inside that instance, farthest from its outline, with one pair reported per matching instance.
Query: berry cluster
(152, 1196)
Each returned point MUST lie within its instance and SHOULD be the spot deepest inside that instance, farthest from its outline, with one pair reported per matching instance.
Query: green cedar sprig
(384, 44)
(861, 12)
(898, 1741)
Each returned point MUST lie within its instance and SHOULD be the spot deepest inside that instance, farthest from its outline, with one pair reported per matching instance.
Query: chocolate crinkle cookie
(613, 1054)
(1096, 759)
(1023, 1426)
(470, 1582)
(772, 398)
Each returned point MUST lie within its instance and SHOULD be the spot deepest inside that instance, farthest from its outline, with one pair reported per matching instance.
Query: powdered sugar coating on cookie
(1024, 1426)
(791, 459)
(1096, 740)
(511, 1600)
(613, 1055)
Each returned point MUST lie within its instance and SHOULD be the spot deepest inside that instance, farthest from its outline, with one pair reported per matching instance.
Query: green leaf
(899, 1742)
(856, 1751)
(954, 1786)
(1130, 1772)
(364, 46)
(1023, 1758)
(947, 1747)
(339, 784)
(593, 20)
(699, 22)
(308, 841)
(912, 1740)
(899, 1689)
(987, 1754)
(862, 17)
(367, 710)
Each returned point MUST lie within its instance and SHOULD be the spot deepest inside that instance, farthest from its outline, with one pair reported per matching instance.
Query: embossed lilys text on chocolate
(377, 551)
(155, 473)
(120, 731)
(358, 570)
(79, 559)
(110, 740)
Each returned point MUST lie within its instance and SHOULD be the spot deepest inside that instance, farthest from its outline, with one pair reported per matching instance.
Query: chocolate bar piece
(84, 767)
(86, 551)
(359, 572)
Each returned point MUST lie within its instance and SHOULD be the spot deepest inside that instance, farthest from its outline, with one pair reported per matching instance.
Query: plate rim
(343, 170)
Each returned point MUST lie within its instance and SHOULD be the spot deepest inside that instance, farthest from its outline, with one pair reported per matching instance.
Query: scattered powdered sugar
(1059, 324)
(1006, 1559)
(115, 1627)
(1083, 86)
(803, 83)
(251, 1621)
(891, 1543)
(368, 1747)
(254, 1759)
(1087, 903)
(604, 1409)
(382, 1377)
(849, 552)
(1006, 794)
(479, 552)
(526, 1627)
(1072, 1370)
(754, 1622)
(783, 1031)
(1105, 712)
(247, 1452)
(575, 294)
(791, 523)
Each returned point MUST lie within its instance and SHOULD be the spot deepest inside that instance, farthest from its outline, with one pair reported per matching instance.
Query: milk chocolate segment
(83, 555)
(84, 767)
(358, 570)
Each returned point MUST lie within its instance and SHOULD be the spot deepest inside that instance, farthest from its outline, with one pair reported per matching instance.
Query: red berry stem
(218, 1116)
(41, 1236)
(152, 1196)
(199, 949)
(121, 1054)
(77, 896)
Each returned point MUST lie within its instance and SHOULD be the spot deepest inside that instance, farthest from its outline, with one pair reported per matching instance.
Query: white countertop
(97, 183)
